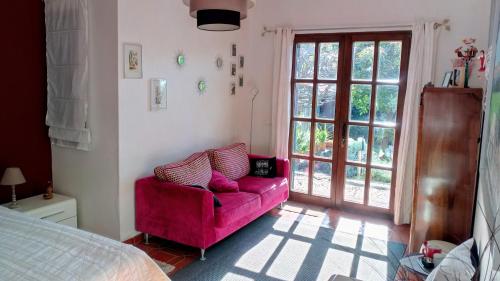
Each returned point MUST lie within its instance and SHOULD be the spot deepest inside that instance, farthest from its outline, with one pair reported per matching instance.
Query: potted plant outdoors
(321, 138)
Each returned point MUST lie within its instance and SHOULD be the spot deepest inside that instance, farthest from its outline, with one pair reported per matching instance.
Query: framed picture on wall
(233, 50)
(158, 94)
(132, 61)
(233, 69)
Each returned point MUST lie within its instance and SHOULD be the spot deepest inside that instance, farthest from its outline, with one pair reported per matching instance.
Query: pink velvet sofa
(187, 215)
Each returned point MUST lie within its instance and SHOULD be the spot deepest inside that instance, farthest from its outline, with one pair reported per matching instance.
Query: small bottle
(49, 194)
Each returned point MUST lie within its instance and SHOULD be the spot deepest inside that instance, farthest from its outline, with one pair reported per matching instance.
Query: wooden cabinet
(447, 160)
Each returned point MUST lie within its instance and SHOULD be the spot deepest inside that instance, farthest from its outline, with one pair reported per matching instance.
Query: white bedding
(33, 249)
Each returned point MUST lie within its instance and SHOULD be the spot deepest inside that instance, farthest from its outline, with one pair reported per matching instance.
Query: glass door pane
(322, 179)
(304, 60)
(300, 175)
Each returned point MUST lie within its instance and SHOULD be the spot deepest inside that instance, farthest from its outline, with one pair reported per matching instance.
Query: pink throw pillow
(219, 183)
(232, 161)
(195, 170)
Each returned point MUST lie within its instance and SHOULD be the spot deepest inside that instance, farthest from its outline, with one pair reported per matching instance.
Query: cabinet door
(449, 130)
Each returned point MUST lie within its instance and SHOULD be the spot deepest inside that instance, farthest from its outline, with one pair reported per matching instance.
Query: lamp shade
(12, 176)
(218, 20)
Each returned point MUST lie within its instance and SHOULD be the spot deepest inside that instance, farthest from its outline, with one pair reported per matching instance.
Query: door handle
(344, 134)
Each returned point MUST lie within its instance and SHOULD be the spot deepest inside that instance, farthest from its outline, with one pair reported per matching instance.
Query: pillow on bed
(194, 170)
(459, 265)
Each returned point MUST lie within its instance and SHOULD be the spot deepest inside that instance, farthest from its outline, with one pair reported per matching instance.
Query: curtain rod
(445, 23)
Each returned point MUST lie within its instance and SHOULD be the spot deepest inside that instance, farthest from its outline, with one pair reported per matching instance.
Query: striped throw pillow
(232, 161)
(195, 170)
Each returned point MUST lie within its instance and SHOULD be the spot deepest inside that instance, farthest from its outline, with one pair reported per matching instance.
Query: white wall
(192, 122)
(92, 177)
(469, 18)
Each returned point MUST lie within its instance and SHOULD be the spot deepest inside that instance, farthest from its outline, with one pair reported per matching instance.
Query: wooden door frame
(342, 114)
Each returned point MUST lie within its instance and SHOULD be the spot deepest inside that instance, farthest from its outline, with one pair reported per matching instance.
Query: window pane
(383, 146)
(389, 57)
(326, 101)
(300, 175)
(323, 146)
(357, 144)
(322, 179)
(301, 137)
(354, 184)
(303, 100)
(386, 104)
(362, 60)
(360, 102)
(328, 60)
(304, 60)
(380, 188)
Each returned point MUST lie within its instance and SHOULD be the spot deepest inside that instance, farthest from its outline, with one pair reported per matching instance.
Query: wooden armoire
(447, 163)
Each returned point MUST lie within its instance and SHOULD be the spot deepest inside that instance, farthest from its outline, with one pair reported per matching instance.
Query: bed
(34, 249)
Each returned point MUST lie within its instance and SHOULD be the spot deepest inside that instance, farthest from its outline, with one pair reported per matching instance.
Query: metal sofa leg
(203, 255)
(146, 238)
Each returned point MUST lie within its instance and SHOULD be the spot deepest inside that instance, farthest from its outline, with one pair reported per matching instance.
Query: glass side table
(413, 264)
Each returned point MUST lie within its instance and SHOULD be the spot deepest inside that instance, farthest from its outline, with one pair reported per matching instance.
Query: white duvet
(33, 249)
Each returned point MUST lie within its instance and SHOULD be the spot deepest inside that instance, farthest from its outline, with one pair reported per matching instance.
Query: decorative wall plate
(180, 59)
(219, 63)
(202, 86)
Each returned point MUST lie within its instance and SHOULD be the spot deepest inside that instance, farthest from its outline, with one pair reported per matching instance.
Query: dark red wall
(23, 134)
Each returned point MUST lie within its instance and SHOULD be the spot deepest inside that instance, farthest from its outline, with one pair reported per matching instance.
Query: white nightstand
(60, 209)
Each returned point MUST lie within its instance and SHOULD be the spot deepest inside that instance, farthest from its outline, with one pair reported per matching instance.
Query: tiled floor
(349, 223)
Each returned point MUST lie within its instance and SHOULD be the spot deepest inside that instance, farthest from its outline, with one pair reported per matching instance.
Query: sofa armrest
(282, 165)
(175, 212)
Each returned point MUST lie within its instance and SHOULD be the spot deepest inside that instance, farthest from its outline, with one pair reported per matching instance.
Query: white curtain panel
(66, 24)
(420, 72)
(283, 52)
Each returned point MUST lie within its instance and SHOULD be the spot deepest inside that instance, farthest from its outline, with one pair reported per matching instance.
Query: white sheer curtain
(420, 72)
(283, 52)
(66, 24)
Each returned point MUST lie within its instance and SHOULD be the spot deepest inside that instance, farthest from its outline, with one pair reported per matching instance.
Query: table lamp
(13, 176)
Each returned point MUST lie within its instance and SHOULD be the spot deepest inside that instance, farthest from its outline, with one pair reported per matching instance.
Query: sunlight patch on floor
(289, 261)
(377, 231)
(371, 269)
(375, 246)
(288, 216)
(346, 233)
(235, 277)
(256, 258)
(309, 224)
(336, 262)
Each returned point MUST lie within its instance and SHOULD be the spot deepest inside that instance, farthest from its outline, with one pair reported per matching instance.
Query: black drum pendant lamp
(219, 15)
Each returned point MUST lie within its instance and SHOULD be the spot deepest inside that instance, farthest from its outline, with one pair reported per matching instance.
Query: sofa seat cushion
(267, 188)
(235, 206)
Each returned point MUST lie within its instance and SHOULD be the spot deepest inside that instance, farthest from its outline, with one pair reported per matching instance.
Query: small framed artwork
(447, 79)
(132, 61)
(233, 88)
(240, 81)
(242, 61)
(233, 50)
(158, 94)
(233, 69)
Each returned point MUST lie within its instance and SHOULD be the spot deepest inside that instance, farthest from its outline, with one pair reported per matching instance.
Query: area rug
(165, 267)
(262, 251)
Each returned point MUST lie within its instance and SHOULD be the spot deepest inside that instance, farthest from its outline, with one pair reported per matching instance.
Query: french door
(347, 100)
